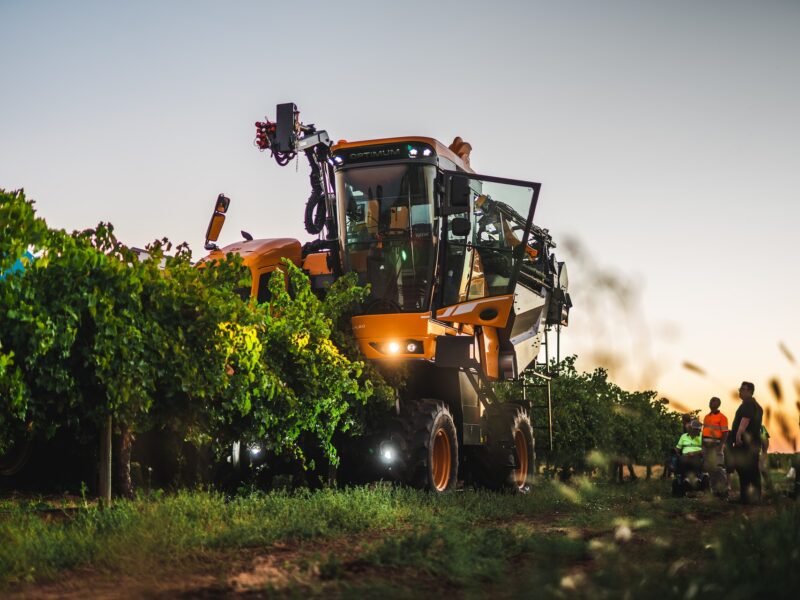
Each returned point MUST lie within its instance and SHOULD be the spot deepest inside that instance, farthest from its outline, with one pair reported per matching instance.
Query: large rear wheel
(508, 461)
(521, 473)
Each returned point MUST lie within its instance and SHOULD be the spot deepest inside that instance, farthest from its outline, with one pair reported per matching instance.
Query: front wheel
(433, 449)
(15, 457)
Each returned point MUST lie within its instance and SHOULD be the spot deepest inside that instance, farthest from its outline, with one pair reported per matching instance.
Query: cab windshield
(388, 233)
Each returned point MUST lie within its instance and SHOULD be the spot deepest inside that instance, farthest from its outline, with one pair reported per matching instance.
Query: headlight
(395, 347)
(387, 452)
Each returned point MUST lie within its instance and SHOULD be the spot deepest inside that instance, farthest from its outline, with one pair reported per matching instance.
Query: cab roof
(438, 147)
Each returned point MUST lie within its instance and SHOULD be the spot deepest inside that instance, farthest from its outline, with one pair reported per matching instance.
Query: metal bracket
(318, 138)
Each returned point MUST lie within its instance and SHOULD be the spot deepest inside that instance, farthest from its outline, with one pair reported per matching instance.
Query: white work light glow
(387, 452)
(411, 347)
(426, 152)
(393, 347)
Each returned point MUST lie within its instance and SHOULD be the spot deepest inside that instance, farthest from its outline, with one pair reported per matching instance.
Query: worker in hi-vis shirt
(715, 433)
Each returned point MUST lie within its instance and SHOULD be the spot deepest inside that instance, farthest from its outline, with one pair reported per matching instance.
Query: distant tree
(583, 418)
(597, 424)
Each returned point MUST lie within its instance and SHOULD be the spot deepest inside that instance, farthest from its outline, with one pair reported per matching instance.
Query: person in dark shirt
(745, 438)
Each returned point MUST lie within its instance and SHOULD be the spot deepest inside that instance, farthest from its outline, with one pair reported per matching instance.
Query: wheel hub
(521, 472)
(441, 460)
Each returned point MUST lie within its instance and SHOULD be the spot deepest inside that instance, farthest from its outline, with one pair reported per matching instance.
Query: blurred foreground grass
(579, 540)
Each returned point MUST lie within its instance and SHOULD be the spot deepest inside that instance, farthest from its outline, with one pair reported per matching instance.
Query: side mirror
(215, 227)
(217, 221)
(459, 194)
(223, 202)
(459, 227)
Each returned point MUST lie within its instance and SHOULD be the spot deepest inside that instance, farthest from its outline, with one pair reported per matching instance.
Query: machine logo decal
(383, 153)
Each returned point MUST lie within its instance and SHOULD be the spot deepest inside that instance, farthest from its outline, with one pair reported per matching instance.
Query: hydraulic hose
(315, 207)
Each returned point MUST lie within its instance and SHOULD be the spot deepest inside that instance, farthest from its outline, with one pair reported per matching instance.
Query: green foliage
(583, 419)
(597, 424)
(16, 212)
(317, 383)
(341, 300)
(645, 430)
(88, 330)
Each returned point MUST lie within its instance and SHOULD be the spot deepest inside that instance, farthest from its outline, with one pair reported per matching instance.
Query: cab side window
(484, 261)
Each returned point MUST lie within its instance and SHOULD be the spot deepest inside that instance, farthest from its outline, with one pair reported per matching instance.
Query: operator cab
(386, 196)
(397, 197)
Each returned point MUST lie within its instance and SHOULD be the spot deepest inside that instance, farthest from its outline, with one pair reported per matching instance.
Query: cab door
(487, 223)
(486, 228)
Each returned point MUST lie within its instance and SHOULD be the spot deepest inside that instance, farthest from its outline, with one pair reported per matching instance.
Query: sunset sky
(665, 136)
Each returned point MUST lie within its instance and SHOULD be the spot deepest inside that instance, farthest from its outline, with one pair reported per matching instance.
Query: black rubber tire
(498, 462)
(15, 459)
(422, 421)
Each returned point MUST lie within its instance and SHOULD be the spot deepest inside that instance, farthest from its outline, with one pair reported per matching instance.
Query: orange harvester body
(463, 290)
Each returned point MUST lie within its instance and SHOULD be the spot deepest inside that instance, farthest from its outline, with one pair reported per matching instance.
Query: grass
(34, 545)
(598, 540)
(478, 555)
(760, 556)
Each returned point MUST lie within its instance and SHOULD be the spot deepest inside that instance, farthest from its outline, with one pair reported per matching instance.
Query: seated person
(690, 449)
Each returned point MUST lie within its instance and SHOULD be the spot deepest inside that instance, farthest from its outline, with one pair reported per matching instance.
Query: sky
(665, 136)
